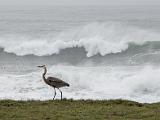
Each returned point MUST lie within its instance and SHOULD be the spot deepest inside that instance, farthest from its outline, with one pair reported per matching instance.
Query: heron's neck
(43, 75)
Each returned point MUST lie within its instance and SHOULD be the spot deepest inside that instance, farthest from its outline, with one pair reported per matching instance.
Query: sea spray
(95, 38)
(134, 83)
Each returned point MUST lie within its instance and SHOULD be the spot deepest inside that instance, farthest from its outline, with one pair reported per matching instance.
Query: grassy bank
(78, 110)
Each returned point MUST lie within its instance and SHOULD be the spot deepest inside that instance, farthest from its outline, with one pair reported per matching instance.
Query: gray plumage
(53, 81)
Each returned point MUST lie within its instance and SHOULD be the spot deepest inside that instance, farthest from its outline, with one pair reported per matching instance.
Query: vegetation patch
(78, 110)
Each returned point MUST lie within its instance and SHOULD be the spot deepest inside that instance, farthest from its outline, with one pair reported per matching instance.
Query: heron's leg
(54, 93)
(60, 92)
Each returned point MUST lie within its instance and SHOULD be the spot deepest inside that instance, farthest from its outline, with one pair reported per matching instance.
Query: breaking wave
(95, 38)
(141, 84)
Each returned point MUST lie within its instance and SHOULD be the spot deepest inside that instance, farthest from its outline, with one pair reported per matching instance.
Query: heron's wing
(54, 79)
(57, 82)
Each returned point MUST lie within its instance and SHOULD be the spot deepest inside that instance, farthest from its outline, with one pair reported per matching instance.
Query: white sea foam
(102, 38)
(135, 83)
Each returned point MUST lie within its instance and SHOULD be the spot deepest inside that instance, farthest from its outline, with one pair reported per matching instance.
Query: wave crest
(96, 38)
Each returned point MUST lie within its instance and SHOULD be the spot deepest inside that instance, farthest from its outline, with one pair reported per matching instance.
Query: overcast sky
(79, 2)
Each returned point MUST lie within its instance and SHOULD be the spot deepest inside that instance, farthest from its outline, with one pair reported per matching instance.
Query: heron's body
(56, 82)
(53, 81)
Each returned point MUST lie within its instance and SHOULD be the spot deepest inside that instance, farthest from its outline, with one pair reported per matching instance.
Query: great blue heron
(53, 81)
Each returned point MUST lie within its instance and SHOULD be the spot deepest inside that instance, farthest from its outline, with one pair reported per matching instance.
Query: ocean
(103, 52)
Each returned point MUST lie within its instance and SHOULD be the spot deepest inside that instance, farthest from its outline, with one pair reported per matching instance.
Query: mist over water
(103, 52)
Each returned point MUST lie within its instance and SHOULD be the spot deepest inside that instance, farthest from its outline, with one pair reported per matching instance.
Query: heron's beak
(39, 66)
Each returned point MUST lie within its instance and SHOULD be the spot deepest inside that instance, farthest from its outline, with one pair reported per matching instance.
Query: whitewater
(95, 38)
(102, 52)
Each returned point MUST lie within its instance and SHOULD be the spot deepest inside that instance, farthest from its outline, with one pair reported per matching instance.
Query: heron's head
(41, 66)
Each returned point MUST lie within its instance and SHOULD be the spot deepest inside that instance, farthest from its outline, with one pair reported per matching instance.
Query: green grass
(78, 110)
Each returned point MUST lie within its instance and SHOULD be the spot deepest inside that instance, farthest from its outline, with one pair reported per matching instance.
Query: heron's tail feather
(67, 84)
